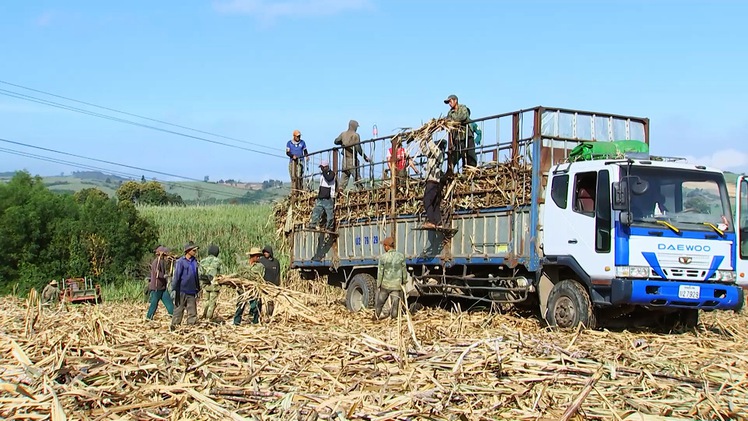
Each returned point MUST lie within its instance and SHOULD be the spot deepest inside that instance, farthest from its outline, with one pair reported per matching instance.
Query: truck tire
(569, 305)
(360, 292)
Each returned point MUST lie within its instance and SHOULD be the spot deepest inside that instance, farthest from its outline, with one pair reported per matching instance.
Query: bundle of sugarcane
(286, 302)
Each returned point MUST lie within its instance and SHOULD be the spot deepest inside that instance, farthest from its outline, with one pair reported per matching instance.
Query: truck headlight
(726, 275)
(632, 271)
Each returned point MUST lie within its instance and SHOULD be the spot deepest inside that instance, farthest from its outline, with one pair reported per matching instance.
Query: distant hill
(192, 192)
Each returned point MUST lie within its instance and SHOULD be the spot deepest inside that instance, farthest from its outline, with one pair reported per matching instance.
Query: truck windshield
(684, 198)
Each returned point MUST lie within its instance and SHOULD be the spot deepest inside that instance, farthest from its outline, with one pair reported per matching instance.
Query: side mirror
(620, 196)
(625, 218)
(637, 185)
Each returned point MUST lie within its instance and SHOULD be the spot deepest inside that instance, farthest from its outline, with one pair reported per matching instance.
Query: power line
(130, 176)
(135, 115)
(147, 170)
(30, 98)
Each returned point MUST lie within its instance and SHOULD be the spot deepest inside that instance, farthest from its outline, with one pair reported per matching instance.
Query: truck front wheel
(569, 305)
(360, 292)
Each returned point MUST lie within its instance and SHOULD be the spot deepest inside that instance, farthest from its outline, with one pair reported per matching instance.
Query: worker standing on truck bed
(391, 276)
(185, 286)
(462, 138)
(50, 293)
(325, 198)
(210, 267)
(157, 284)
(351, 142)
(296, 151)
(432, 194)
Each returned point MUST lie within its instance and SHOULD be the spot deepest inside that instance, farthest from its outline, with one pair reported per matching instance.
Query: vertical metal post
(395, 144)
(646, 131)
(515, 136)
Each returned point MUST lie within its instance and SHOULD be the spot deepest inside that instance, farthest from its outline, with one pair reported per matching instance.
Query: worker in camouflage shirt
(391, 276)
(50, 293)
(210, 267)
(255, 271)
(462, 139)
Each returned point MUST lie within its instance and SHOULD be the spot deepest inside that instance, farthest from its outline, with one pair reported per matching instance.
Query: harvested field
(315, 360)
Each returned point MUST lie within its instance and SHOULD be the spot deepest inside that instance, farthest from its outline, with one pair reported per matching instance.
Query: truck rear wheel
(360, 292)
(569, 305)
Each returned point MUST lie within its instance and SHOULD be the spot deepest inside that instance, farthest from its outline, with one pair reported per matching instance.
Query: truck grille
(679, 274)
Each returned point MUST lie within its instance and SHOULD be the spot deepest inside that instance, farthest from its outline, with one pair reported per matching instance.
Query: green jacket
(460, 114)
(210, 267)
(391, 273)
(254, 272)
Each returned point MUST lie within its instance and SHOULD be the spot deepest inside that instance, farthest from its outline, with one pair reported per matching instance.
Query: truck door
(741, 228)
(578, 221)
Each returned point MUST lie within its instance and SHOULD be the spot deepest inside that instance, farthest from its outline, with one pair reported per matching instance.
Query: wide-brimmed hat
(190, 246)
(53, 282)
(254, 251)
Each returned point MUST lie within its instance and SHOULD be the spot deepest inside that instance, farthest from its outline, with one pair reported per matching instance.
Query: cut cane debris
(312, 359)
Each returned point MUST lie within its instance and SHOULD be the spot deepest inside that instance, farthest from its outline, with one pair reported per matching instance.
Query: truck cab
(741, 220)
(639, 232)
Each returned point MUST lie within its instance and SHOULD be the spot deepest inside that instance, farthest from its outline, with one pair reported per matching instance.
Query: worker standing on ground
(297, 153)
(255, 272)
(462, 139)
(351, 142)
(210, 267)
(157, 284)
(185, 286)
(51, 293)
(272, 266)
(432, 194)
(391, 276)
(325, 202)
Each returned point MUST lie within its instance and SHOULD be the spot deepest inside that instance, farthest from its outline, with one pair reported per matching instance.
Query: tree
(82, 195)
(148, 193)
(206, 179)
(46, 235)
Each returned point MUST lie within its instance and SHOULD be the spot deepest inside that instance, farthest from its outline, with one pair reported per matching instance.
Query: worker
(391, 276)
(325, 198)
(432, 194)
(351, 142)
(272, 266)
(157, 283)
(400, 163)
(297, 152)
(255, 272)
(210, 268)
(185, 286)
(51, 293)
(462, 139)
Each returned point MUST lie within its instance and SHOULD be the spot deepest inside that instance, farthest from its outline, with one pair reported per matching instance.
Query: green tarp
(606, 150)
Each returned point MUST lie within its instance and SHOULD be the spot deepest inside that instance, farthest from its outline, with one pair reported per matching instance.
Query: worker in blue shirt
(296, 151)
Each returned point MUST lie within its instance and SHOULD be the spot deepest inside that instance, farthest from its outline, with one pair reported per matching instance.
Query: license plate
(689, 291)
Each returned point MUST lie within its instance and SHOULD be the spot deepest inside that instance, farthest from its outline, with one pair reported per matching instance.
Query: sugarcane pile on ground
(105, 362)
(494, 184)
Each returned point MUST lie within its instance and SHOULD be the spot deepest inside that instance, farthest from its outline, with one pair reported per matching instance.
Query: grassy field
(190, 191)
(233, 228)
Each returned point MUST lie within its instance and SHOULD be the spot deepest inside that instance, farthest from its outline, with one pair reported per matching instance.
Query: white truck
(602, 238)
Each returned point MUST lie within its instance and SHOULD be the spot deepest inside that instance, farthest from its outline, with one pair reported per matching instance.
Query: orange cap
(296, 133)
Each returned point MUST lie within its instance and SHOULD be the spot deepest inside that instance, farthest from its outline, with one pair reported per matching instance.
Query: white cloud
(270, 10)
(724, 159)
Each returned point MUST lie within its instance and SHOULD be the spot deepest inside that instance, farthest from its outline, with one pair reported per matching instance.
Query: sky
(256, 70)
